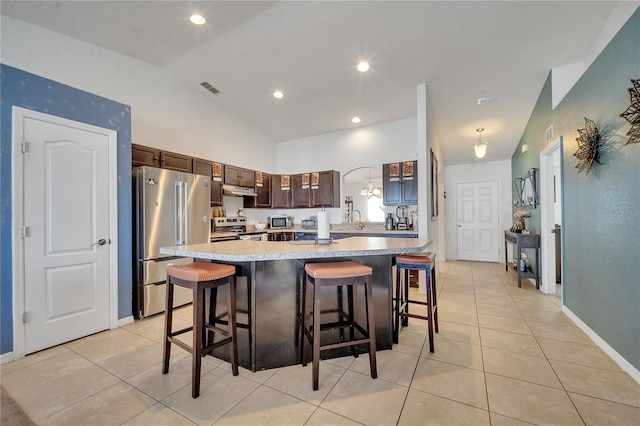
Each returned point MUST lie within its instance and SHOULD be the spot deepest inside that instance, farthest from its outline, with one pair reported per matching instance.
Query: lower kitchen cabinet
(280, 236)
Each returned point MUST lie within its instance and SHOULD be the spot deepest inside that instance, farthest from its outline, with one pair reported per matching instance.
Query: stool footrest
(344, 344)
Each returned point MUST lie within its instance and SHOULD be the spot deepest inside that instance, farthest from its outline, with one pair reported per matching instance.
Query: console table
(522, 241)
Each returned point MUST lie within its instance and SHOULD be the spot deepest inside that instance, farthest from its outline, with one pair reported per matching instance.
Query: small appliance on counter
(389, 223)
(280, 221)
(309, 222)
(403, 220)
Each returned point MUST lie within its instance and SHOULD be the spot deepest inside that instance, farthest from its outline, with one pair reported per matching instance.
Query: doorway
(551, 216)
(65, 225)
(478, 222)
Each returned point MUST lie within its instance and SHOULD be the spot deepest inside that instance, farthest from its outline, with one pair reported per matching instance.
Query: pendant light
(370, 190)
(481, 146)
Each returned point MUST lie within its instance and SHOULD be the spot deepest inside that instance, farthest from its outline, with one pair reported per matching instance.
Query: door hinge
(25, 146)
(26, 317)
(26, 231)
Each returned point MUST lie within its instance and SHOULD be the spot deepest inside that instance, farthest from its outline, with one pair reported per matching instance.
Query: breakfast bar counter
(268, 292)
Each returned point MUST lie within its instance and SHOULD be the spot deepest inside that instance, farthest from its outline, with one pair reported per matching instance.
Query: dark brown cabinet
(317, 189)
(280, 191)
(263, 192)
(300, 190)
(144, 156)
(206, 168)
(400, 183)
(280, 236)
(174, 161)
(327, 191)
(238, 176)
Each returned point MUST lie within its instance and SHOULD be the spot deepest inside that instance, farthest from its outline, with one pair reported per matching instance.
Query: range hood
(238, 191)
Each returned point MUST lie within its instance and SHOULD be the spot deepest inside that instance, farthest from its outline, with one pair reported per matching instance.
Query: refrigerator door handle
(179, 214)
(185, 216)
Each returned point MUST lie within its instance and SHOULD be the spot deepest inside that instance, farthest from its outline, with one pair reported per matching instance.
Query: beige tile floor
(504, 356)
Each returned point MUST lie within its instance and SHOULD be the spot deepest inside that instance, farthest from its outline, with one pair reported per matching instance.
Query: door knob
(100, 242)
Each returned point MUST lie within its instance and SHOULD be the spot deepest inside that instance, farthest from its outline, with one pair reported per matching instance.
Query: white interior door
(66, 219)
(550, 212)
(478, 221)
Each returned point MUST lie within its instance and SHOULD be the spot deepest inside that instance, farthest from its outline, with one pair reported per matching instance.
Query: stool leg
(429, 310)
(168, 321)
(405, 298)
(434, 302)
(316, 334)
(351, 294)
(396, 313)
(213, 301)
(305, 320)
(371, 327)
(233, 348)
(198, 319)
(341, 313)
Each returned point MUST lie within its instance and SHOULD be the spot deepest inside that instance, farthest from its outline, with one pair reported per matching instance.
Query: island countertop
(247, 250)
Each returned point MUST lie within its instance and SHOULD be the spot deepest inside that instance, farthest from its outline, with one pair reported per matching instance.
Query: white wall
(165, 112)
(499, 171)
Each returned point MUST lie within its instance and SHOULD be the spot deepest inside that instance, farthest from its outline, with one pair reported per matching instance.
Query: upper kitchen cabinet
(214, 172)
(238, 176)
(280, 191)
(400, 183)
(317, 189)
(174, 161)
(300, 190)
(263, 192)
(325, 189)
(144, 156)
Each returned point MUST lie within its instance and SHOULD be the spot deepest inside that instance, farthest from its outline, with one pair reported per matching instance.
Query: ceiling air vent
(487, 100)
(209, 87)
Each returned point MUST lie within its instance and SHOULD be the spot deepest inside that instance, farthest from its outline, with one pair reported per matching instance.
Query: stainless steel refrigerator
(172, 208)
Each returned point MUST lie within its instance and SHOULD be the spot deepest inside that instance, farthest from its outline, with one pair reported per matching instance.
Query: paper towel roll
(323, 225)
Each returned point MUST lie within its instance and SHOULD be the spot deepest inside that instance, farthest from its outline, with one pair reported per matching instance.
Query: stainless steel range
(234, 228)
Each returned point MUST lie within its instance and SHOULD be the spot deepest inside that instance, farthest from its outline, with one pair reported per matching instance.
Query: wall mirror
(362, 189)
(527, 195)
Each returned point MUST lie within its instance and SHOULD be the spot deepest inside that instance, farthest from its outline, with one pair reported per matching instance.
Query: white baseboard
(6, 358)
(125, 321)
(615, 356)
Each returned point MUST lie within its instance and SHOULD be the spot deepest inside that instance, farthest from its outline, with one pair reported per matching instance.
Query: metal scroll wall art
(632, 114)
(589, 144)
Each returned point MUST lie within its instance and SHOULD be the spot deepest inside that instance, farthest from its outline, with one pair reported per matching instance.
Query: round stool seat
(336, 270)
(200, 271)
(416, 259)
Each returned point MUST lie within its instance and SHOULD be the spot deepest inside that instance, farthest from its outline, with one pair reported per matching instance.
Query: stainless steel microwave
(280, 221)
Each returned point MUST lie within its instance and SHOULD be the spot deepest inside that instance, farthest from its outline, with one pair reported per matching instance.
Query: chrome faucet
(360, 225)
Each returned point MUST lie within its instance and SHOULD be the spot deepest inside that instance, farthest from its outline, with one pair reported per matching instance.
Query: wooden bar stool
(200, 276)
(421, 262)
(348, 274)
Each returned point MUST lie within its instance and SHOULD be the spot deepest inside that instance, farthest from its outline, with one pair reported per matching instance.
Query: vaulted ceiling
(461, 50)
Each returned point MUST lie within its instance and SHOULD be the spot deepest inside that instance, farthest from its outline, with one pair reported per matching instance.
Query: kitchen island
(268, 292)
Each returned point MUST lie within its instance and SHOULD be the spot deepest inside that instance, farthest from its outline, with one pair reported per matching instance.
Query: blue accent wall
(29, 91)
(601, 211)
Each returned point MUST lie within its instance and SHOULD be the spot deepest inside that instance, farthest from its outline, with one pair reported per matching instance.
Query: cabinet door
(410, 186)
(300, 194)
(247, 178)
(144, 156)
(202, 167)
(216, 184)
(391, 185)
(263, 191)
(231, 175)
(280, 198)
(174, 161)
(327, 192)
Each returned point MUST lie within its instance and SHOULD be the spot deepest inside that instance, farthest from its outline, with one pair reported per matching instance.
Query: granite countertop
(247, 250)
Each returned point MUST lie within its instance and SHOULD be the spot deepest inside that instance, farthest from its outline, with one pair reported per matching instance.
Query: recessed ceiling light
(355, 120)
(363, 67)
(278, 94)
(198, 19)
